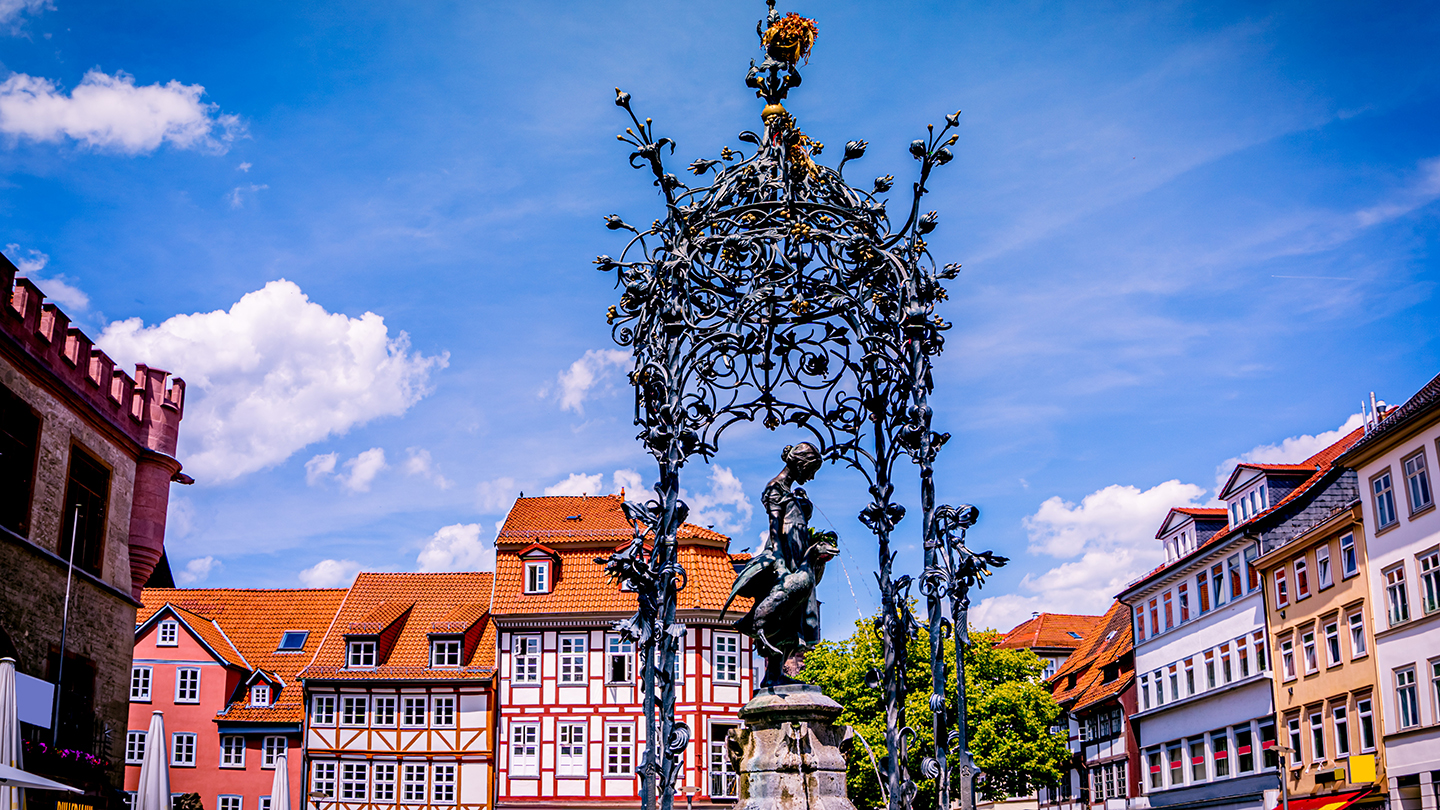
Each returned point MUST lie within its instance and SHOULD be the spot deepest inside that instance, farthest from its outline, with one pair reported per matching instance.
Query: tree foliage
(1009, 717)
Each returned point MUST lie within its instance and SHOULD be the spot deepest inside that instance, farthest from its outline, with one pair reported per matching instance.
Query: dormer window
(169, 634)
(260, 694)
(293, 641)
(360, 654)
(445, 652)
(537, 576)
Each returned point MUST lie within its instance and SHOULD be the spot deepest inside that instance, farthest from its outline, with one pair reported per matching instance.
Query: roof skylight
(293, 641)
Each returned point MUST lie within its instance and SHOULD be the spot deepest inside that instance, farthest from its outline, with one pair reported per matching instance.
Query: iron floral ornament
(780, 293)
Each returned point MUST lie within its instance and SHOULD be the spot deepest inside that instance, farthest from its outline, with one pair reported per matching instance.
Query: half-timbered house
(571, 726)
(401, 708)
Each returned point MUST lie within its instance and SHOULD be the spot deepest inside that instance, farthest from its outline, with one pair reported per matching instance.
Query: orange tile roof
(1111, 642)
(430, 599)
(567, 518)
(1202, 512)
(1051, 631)
(252, 621)
(1320, 467)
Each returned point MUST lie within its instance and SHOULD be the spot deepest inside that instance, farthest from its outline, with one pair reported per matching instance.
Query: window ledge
(1429, 507)
(1388, 528)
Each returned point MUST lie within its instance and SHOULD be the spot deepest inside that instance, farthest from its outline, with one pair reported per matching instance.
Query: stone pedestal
(790, 754)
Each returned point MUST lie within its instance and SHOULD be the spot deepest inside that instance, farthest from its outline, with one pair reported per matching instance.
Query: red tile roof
(1108, 646)
(565, 518)
(251, 622)
(1051, 631)
(430, 599)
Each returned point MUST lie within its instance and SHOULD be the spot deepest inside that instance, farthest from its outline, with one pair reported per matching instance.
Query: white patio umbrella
(15, 780)
(11, 798)
(280, 788)
(153, 792)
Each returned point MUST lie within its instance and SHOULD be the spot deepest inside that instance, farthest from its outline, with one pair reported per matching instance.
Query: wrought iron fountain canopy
(773, 290)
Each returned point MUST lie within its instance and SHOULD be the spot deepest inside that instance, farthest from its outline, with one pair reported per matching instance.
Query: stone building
(87, 456)
(1397, 495)
(222, 664)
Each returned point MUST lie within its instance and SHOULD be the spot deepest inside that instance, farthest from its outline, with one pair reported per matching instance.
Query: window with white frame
(1157, 773)
(1220, 752)
(1175, 759)
(1324, 578)
(353, 710)
(1365, 714)
(1287, 659)
(1198, 771)
(187, 685)
(1282, 588)
(1430, 581)
(1307, 645)
(1407, 698)
(570, 761)
(1397, 596)
(1435, 682)
(537, 576)
(572, 659)
(1317, 737)
(1332, 644)
(360, 654)
(232, 751)
(384, 782)
(620, 657)
(1292, 727)
(1349, 562)
(1244, 750)
(1302, 580)
(1340, 721)
(227, 802)
(412, 786)
(525, 662)
(727, 658)
(620, 749)
(354, 781)
(167, 634)
(272, 748)
(724, 781)
(1417, 482)
(413, 714)
(442, 710)
(322, 778)
(1357, 634)
(260, 694)
(1383, 492)
(383, 712)
(445, 652)
(182, 749)
(443, 783)
(265, 803)
(140, 684)
(524, 749)
(322, 710)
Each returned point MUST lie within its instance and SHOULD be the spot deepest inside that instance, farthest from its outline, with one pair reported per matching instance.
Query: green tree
(1010, 712)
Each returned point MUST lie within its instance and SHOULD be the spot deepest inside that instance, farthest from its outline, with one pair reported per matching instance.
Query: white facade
(1398, 500)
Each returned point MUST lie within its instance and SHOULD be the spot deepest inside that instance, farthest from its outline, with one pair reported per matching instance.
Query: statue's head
(803, 461)
(824, 546)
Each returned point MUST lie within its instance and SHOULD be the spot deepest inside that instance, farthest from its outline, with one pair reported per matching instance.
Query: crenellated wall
(144, 409)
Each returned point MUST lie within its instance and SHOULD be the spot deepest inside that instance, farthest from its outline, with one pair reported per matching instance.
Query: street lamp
(1284, 751)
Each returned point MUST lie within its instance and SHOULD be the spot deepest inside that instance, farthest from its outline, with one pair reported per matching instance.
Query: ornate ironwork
(778, 292)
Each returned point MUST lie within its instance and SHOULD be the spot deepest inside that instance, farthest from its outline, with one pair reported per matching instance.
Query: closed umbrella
(11, 798)
(15, 780)
(153, 792)
(280, 788)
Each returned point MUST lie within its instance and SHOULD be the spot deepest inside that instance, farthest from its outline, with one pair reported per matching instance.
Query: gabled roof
(429, 599)
(1060, 631)
(1108, 646)
(570, 519)
(254, 620)
(204, 630)
(1180, 514)
(1281, 470)
(1322, 468)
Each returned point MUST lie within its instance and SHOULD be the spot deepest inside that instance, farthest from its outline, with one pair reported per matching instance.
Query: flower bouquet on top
(789, 40)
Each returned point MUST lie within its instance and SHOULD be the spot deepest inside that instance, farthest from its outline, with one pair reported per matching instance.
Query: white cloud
(633, 483)
(725, 506)
(236, 197)
(1106, 541)
(273, 374)
(495, 496)
(197, 570)
(363, 469)
(419, 462)
(111, 112)
(320, 467)
(578, 484)
(57, 288)
(330, 574)
(591, 370)
(10, 10)
(457, 548)
(243, 167)
(1290, 451)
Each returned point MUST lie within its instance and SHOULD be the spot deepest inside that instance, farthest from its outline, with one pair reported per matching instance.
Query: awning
(1330, 801)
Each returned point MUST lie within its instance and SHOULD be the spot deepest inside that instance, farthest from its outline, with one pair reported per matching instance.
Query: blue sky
(1190, 232)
